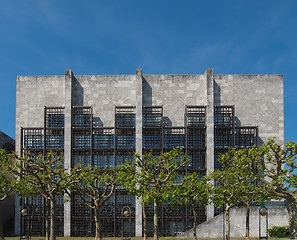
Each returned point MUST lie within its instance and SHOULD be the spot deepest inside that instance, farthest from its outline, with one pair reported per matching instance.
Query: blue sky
(45, 37)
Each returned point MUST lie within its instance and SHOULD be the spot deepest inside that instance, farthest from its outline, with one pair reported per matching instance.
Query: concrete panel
(277, 216)
(258, 101)
(174, 92)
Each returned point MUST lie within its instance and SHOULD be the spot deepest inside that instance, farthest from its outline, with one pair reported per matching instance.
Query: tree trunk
(195, 221)
(53, 219)
(247, 222)
(1, 225)
(292, 210)
(155, 220)
(227, 223)
(98, 235)
(144, 222)
(47, 225)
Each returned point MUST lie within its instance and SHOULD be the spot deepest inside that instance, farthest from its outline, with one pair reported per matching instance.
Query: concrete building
(6, 142)
(102, 120)
(7, 206)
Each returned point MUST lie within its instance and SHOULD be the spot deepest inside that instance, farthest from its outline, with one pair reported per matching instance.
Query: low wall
(277, 216)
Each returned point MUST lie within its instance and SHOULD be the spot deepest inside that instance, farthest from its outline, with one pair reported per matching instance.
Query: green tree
(279, 175)
(154, 177)
(40, 175)
(6, 186)
(94, 187)
(225, 191)
(248, 190)
(193, 190)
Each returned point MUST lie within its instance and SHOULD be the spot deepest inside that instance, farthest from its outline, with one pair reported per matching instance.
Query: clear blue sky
(45, 37)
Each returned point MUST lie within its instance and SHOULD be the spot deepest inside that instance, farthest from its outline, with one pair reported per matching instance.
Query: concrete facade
(257, 100)
(6, 142)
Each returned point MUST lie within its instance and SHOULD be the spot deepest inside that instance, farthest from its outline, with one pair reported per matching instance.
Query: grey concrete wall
(174, 92)
(258, 101)
(277, 216)
(32, 94)
(209, 132)
(103, 93)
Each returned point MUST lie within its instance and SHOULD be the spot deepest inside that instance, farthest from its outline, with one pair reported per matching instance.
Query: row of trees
(247, 176)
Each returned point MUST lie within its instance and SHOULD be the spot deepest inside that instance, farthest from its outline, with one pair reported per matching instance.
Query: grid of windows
(224, 116)
(103, 138)
(82, 158)
(54, 117)
(224, 137)
(103, 159)
(173, 210)
(196, 138)
(34, 222)
(195, 116)
(123, 156)
(245, 137)
(55, 141)
(33, 138)
(152, 141)
(125, 138)
(174, 138)
(152, 116)
(33, 141)
(196, 159)
(82, 116)
(106, 147)
(107, 210)
(125, 117)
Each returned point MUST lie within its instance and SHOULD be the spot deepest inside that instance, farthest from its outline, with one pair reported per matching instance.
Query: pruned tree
(41, 175)
(246, 178)
(195, 191)
(94, 187)
(280, 176)
(225, 191)
(155, 178)
(6, 185)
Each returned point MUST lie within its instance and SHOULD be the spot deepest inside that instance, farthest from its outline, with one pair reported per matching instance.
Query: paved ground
(135, 238)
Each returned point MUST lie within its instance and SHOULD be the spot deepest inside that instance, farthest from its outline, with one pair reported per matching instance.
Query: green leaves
(239, 179)
(153, 177)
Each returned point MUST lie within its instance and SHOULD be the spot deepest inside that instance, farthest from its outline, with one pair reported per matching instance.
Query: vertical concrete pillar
(138, 206)
(209, 131)
(67, 145)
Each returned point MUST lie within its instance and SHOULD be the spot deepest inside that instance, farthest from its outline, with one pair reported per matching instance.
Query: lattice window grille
(107, 210)
(223, 138)
(124, 156)
(152, 141)
(33, 141)
(81, 141)
(104, 161)
(174, 138)
(125, 200)
(196, 116)
(103, 141)
(82, 117)
(55, 141)
(125, 141)
(55, 117)
(196, 160)
(81, 158)
(245, 137)
(223, 116)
